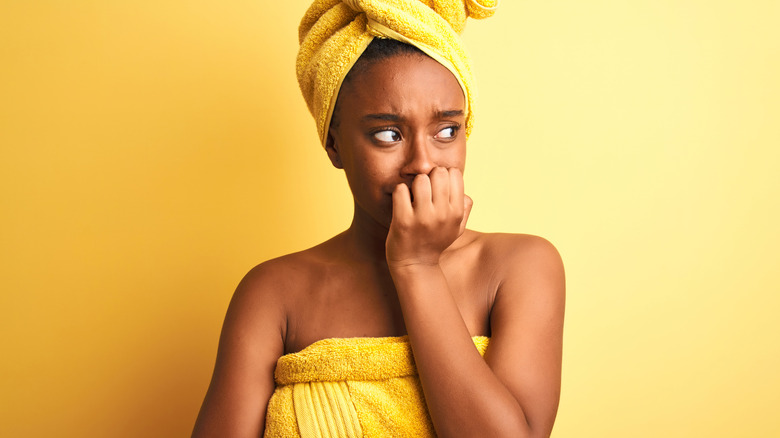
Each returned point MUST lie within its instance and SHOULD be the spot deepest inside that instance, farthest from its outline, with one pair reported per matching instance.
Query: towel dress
(350, 387)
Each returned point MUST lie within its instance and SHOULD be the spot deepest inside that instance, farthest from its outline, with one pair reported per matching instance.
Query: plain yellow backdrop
(154, 151)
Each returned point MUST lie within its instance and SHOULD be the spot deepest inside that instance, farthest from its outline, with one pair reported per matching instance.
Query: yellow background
(154, 151)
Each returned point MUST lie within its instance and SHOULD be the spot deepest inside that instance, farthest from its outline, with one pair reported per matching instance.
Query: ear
(332, 150)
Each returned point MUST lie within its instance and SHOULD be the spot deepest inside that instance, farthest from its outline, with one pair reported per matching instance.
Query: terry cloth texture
(350, 387)
(334, 33)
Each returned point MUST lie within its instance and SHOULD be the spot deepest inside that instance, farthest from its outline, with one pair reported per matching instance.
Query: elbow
(516, 424)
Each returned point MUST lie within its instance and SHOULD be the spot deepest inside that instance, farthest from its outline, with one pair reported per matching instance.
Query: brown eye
(447, 133)
(387, 136)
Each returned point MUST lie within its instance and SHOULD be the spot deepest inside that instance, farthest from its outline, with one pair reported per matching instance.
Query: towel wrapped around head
(334, 33)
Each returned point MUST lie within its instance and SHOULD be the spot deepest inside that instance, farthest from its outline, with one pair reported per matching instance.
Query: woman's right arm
(252, 340)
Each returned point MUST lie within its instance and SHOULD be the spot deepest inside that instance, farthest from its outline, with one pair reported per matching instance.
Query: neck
(366, 237)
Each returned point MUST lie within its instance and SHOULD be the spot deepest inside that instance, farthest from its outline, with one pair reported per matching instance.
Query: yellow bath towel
(350, 387)
(334, 33)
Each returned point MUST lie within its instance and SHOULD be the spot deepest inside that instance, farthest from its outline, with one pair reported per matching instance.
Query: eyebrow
(382, 116)
(388, 117)
(449, 114)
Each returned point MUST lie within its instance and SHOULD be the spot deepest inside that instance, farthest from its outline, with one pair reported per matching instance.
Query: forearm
(464, 396)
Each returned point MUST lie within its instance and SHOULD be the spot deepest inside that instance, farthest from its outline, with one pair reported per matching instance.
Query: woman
(373, 332)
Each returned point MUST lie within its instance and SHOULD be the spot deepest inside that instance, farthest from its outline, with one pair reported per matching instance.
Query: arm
(250, 344)
(514, 390)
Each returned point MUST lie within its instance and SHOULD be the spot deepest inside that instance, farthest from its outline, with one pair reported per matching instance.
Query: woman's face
(397, 118)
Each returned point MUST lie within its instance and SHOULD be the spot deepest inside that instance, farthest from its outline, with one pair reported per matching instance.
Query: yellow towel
(350, 387)
(334, 33)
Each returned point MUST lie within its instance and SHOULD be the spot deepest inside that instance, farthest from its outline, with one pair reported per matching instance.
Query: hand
(422, 229)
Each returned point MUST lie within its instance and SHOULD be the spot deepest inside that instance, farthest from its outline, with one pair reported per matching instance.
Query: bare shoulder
(274, 283)
(518, 245)
(526, 276)
(526, 321)
(252, 340)
(519, 255)
(276, 277)
(258, 311)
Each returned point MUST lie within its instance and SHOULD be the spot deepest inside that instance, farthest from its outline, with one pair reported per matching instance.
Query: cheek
(377, 166)
(453, 157)
(367, 178)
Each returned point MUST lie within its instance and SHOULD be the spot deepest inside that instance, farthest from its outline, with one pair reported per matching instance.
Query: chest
(363, 303)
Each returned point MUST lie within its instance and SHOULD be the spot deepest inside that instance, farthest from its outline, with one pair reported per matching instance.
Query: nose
(418, 157)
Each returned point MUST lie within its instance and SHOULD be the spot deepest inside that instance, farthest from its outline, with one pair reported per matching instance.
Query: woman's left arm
(514, 390)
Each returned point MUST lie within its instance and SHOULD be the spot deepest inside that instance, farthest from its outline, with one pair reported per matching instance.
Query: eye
(448, 133)
(387, 136)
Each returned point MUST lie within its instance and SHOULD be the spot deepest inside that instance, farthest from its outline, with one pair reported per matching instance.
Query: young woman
(407, 323)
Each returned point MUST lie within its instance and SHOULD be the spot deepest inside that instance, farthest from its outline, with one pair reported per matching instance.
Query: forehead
(402, 83)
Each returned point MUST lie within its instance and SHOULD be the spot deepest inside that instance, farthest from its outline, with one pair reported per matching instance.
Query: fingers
(443, 186)
(421, 189)
(428, 216)
(402, 203)
(442, 191)
(440, 186)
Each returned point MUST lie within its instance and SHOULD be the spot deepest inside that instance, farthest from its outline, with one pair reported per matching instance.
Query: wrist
(416, 281)
(413, 267)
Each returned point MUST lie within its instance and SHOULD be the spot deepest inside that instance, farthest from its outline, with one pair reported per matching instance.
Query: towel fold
(334, 33)
(350, 387)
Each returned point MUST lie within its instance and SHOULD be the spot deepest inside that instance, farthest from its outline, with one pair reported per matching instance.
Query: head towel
(334, 33)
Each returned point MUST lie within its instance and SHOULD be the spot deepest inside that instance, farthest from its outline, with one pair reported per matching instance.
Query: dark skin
(406, 265)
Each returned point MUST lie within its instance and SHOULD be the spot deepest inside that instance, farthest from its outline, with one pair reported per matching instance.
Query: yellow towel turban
(334, 33)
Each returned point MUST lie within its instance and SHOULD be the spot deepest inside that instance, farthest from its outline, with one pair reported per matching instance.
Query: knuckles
(425, 226)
